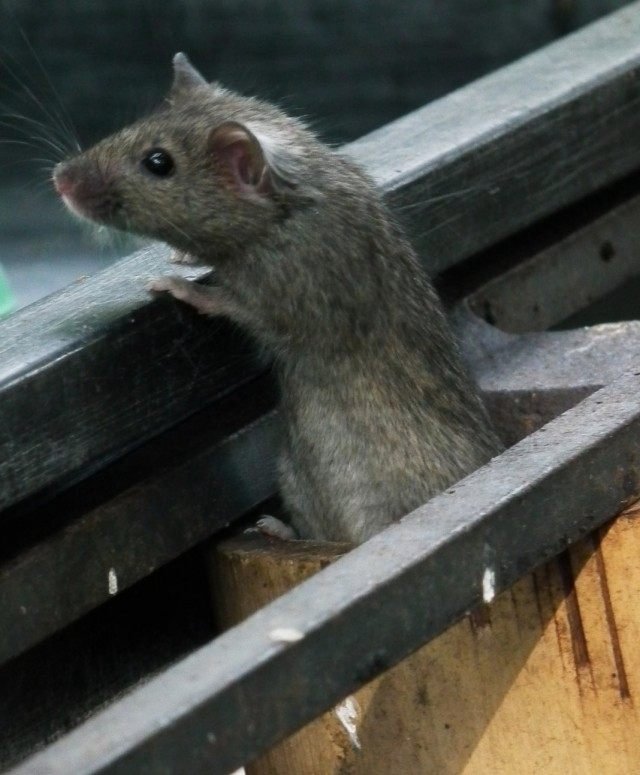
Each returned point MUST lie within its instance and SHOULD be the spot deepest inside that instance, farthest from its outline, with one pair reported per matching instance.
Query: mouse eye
(158, 162)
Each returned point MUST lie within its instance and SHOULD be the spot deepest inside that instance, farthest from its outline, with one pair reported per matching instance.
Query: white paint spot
(348, 713)
(488, 585)
(211, 738)
(286, 635)
(112, 581)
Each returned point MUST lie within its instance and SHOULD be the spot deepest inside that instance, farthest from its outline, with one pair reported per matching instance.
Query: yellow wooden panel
(542, 680)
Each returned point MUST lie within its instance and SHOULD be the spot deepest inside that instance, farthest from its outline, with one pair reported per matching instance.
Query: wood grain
(543, 679)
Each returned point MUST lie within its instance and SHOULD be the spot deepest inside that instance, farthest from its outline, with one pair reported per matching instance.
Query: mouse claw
(185, 259)
(178, 287)
(272, 527)
(157, 285)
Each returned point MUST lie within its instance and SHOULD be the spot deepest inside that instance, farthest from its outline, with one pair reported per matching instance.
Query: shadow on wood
(542, 679)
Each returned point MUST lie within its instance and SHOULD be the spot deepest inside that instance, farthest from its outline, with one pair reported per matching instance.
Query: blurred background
(349, 66)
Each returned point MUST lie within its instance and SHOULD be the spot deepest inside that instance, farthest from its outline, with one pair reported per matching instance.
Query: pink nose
(63, 181)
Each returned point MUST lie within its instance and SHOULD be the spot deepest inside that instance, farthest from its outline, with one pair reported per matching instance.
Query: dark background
(347, 65)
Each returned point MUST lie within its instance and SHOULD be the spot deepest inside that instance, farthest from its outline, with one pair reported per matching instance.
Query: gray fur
(379, 412)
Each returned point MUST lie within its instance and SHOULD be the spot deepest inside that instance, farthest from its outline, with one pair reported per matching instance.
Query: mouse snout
(64, 179)
(85, 189)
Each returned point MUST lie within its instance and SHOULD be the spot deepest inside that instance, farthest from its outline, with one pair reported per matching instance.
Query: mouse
(379, 413)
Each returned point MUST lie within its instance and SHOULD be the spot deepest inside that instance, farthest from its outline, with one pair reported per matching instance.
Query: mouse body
(379, 412)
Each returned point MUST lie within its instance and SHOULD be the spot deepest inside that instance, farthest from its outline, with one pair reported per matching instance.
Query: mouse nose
(64, 180)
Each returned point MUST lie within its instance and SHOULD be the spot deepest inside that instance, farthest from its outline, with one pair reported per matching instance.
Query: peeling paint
(286, 635)
(488, 584)
(348, 713)
(112, 581)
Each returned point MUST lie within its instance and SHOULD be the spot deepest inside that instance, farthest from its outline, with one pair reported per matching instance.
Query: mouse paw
(273, 528)
(178, 287)
(206, 299)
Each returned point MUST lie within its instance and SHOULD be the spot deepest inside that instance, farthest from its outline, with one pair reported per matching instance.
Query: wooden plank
(141, 513)
(566, 277)
(51, 688)
(189, 482)
(542, 679)
(95, 370)
(223, 705)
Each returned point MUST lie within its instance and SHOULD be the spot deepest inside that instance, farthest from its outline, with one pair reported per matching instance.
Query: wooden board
(541, 680)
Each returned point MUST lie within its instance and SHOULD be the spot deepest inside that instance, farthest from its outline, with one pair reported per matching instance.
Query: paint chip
(348, 713)
(488, 585)
(286, 635)
(112, 581)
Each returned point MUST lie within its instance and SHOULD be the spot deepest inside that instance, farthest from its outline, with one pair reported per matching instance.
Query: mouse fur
(379, 412)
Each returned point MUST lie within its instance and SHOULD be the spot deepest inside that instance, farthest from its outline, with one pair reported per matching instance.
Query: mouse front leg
(206, 299)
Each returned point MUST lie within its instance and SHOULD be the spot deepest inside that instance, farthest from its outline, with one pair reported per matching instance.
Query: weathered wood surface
(139, 514)
(172, 492)
(53, 687)
(565, 277)
(237, 696)
(99, 368)
(542, 679)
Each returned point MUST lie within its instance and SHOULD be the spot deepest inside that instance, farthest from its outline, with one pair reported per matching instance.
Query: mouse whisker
(50, 143)
(50, 134)
(63, 113)
(25, 143)
(26, 91)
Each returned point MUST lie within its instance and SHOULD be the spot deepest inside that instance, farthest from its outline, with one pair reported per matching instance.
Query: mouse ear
(185, 77)
(242, 156)
(260, 165)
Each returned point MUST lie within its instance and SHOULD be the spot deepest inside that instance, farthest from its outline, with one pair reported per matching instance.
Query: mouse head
(207, 172)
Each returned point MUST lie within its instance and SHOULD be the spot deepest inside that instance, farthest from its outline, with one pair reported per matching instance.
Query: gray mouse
(379, 413)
